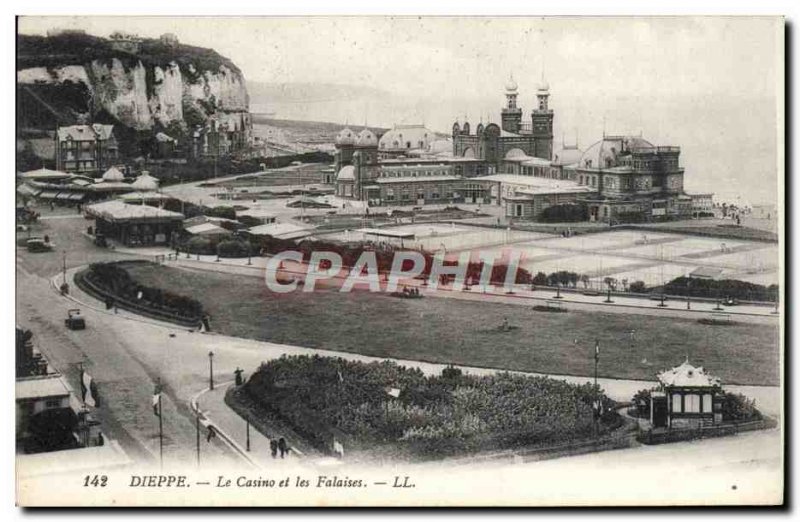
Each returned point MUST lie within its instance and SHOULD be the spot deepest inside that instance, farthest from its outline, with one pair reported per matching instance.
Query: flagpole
(197, 429)
(160, 432)
(596, 405)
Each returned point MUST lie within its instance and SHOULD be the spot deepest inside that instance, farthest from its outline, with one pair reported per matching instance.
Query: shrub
(737, 407)
(721, 289)
(199, 245)
(233, 248)
(638, 287)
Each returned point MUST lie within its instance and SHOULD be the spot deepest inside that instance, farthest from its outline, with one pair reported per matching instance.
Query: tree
(638, 287)
(611, 283)
(540, 279)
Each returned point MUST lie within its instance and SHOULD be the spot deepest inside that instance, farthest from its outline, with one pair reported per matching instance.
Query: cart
(74, 320)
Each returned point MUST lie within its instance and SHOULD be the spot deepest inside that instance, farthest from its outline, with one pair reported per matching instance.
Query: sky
(712, 85)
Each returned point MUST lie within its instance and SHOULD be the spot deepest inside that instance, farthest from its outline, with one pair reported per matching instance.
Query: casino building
(618, 179)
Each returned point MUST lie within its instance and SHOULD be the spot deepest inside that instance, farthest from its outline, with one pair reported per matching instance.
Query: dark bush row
(115, 280)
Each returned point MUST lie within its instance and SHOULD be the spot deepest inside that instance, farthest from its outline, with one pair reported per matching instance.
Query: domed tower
(367, 144)
(511, 115)
(344, 143)
(542, 123)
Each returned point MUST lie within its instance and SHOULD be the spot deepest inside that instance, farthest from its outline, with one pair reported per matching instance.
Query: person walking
(284, 449)
(273, 448)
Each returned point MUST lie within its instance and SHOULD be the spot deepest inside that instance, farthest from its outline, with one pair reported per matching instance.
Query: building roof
(366, 138)
(144, 196)
(534, 185)
(407, 179)
(567, 156)
(207, 229)
(407, 137)
(145, 182)
(92, 132)
(40, 387)
(117, 210)
(346, 173)
(105, 186)
(345, 137)
(113, 174)
(687, 375)
(281, 230)
(45, 174)
(604, 153)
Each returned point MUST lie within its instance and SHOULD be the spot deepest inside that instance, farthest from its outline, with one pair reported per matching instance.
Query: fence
(703, 432)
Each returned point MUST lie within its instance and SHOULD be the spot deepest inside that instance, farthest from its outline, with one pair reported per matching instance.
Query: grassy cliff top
(80, 49)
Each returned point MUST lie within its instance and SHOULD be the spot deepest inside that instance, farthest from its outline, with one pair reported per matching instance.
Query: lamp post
(210, 370)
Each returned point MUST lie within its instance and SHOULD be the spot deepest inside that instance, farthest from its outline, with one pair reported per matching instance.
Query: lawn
(467, 333)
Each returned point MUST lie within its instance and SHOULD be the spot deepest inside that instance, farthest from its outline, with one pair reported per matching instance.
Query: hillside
(160, 85)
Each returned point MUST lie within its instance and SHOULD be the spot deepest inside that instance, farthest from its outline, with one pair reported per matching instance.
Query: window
(53, 403)
(389, 194)
(707, 403)
(676, 403)
(692, 403)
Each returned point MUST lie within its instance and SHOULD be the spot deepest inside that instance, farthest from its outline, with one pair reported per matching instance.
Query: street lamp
(210, 370)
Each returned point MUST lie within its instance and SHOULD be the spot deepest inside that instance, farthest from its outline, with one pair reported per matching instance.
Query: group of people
(279, 445)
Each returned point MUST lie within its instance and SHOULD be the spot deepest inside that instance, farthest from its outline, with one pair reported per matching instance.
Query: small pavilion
(687, 397)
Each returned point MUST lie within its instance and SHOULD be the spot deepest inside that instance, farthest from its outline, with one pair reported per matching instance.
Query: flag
(86, 390)
(157, 403)
(211, 433)
(339, 373)
(338, 448)
(394, 392)
(597, 350)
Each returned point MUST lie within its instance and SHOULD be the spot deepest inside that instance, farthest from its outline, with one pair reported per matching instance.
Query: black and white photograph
(399, 261)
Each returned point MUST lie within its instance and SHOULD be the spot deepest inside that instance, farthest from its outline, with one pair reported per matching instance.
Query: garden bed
(380, 409)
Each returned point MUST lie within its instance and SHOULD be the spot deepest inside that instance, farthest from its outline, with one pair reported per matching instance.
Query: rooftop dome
(543, 86)
(407, 137)
(345, 137)
(567, 156)
(604, 153)
(113, 174)
(511, 85)
(347, 173)
(145, 182)
(366, 138)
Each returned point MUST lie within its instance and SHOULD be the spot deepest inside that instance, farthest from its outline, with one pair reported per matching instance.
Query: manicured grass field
(468, 333)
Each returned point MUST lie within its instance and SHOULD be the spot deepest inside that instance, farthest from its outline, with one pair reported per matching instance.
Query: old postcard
(399, 261)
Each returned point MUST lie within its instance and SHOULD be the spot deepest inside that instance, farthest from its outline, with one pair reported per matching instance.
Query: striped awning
(48, 194)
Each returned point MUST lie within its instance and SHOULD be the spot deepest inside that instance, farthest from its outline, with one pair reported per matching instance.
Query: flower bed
(395, 410)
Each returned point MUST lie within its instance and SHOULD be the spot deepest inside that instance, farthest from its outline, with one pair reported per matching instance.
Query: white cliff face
(125, 93)
(122, 93)
(166, 104)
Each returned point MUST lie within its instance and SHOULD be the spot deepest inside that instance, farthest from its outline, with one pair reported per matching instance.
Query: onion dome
(366, 138)
(345, 137)
(511, 85)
